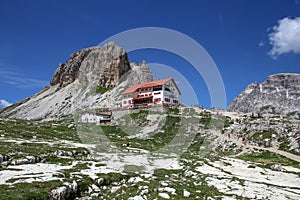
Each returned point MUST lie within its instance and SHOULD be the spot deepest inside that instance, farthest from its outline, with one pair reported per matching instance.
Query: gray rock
(6, 158)
(279, 94)
(95, 64)
(59, 193)
(68, 191)
(95, 188)
(64, 153)
(26, 160)
(277, 167)
(5, 163)
(136, 198)
(31, 159)
(20, 161)
(100, 181)
(94, 194)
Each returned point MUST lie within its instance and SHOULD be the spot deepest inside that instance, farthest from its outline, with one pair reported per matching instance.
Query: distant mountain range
(279, 94)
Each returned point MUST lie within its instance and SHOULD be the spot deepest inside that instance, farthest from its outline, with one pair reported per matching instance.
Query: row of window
(156, 100)
(175, 101)
(125, 102)
(157, 88)
(127, 96)
(144, 95)
(145, 90)
(167, 89)
(166, 100)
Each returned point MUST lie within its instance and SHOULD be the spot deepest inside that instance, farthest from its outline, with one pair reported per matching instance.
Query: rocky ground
(188, 153)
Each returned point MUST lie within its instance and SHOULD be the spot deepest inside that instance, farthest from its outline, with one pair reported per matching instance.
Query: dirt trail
(248, 146)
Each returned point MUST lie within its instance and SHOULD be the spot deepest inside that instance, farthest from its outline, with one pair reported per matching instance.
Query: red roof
(134, 88)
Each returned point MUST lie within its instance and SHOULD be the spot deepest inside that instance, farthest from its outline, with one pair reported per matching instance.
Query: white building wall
(158, 96)
(126, 98)
(125, 102)
(172, 95)
(91, 118)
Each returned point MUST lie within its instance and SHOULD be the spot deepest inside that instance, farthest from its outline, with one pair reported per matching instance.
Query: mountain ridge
(280, 94)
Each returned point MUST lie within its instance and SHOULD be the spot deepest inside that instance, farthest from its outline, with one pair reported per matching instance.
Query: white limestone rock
(280, 93)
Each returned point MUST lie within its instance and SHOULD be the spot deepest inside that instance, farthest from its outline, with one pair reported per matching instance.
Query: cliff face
(74, 84)
(104, 66)
(280, 93)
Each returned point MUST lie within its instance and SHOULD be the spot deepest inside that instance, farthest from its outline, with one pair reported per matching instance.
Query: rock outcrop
(279, 94)
(104, 66)
(68, 191)
(144, 73)
(74, 85)
(8, 160)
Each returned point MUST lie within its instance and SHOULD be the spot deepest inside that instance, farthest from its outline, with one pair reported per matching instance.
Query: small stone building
(97, 117)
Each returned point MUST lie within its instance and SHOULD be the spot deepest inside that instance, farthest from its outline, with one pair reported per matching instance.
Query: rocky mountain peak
(285, 80)
(102, 66)
(75, 84)
(280, 93)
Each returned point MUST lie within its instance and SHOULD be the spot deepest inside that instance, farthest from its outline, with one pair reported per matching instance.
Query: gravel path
(248, 146)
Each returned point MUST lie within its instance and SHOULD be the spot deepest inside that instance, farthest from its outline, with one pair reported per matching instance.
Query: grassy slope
(32, 131)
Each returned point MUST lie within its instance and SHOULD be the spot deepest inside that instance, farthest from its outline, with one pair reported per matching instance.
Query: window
(124, 102)
(167, 100)
(157, 100)
(157, 88)
(156, 93)
(175, 101)
(167, 89)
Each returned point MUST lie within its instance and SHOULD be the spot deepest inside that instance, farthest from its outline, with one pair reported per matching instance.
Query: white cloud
(285, 37)
(18, 80)
(4, 103)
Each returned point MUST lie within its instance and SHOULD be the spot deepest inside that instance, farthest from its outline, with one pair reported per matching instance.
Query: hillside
(189, 153)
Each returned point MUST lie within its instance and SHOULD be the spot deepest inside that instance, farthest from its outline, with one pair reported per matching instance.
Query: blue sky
(248, 40)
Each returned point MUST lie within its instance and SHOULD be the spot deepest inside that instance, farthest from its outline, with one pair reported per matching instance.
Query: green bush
(102, 90)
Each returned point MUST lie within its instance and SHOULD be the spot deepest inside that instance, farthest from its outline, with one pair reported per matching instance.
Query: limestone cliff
(74, 85)
(104, 66)
(280, 93)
